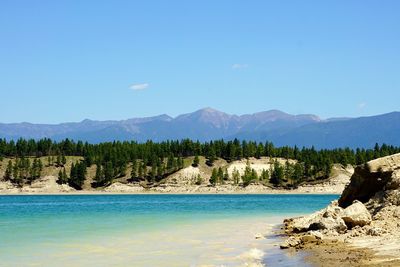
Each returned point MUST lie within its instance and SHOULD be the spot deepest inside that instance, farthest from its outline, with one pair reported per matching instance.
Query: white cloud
(362, 105)
(139, 86)
(239, 66)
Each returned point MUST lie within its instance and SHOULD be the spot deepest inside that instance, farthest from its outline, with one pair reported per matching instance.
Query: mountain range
(210, 124)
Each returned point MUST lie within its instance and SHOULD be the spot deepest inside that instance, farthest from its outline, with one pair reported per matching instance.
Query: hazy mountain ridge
(208, 124)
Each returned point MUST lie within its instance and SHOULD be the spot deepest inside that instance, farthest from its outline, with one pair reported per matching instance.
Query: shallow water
(146, 230)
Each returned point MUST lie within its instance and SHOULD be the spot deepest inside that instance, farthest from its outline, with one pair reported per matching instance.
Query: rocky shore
(362, 228)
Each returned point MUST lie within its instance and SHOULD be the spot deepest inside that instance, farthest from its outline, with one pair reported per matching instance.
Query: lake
(145, 230)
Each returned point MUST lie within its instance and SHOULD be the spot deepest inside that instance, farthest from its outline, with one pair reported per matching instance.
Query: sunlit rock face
(378, 176)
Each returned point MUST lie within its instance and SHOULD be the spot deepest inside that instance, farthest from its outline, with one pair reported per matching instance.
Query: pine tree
(288, 173)
(180, 163)
(58, 160)
(153, 172)
(260, 151)
(62, 177)
(99, 178)
(196, 161)
(277, 174)
(134, 170)
(211, 157)
(247, 175)
(81, 171)
(141, 172)
(226, 175)
(63, 160)
(199, 181)
(264, 175)
(78, 175)
(108, 173)
(170, 163)
(160, 170)
(40, 167)
(122, 170)
(220, 175)
(298, 172)
(214, 177)
(236, 176)
(73, 173)
(16, 172)
(32, 172)
(254, 175)
(9, 171)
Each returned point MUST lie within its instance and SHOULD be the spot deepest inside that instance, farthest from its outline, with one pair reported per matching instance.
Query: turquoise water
(139, 230)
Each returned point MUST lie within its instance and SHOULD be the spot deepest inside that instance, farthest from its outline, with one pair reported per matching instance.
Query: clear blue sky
(71, 60)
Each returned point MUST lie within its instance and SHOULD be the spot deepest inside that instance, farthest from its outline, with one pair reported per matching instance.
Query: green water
(141, 230)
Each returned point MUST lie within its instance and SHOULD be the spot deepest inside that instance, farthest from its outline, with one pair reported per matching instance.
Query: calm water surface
(143, 230)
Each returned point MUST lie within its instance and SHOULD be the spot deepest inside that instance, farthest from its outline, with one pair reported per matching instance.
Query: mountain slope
(209, 124)
(358, 132)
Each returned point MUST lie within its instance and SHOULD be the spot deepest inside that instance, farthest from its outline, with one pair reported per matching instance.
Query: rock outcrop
(367, 213)
(382, 174)
(332, 218)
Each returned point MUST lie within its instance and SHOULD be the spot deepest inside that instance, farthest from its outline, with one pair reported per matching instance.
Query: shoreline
(48, 186)
(158, 193)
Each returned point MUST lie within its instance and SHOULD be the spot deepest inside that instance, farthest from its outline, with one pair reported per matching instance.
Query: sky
(67, 60)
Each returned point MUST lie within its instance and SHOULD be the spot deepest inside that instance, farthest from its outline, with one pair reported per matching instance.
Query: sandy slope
(186, 181)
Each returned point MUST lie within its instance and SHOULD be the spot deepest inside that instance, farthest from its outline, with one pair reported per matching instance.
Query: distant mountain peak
(209, 110)
(209, 124)
(162, 117)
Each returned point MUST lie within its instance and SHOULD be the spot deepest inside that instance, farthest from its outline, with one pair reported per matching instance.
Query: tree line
(23, 170)
(151, 161)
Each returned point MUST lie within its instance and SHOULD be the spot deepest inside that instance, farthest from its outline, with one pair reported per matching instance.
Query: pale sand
(331, 254)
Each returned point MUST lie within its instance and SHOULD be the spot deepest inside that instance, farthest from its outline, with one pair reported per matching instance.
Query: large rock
(337, 225)
(302, 224)
(325, 219)
(356, 215)
(377, 175)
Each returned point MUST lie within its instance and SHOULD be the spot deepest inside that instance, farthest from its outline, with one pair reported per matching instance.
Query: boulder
(333, 210)
(356, 215)
(335, 224)
(291, 242)
(302, 224)
(326, 219)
